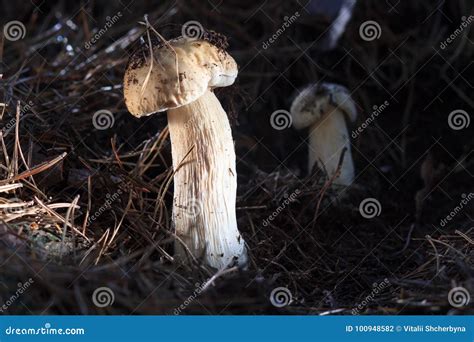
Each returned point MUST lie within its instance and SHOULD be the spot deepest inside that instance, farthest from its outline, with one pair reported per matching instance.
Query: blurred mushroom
(323, 107)
(180, 79)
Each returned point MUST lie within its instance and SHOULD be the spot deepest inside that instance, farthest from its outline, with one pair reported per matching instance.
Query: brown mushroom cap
(201, 65)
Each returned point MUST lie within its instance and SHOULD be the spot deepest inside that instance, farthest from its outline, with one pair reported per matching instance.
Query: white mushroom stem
(327, 139)
(324, 108)
(205, 183)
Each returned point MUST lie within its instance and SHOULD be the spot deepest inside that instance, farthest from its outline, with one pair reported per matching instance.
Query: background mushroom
(420, 123)
(323, 107)
(180, 78)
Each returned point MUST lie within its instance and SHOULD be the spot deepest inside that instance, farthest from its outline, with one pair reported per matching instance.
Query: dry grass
(82, 208)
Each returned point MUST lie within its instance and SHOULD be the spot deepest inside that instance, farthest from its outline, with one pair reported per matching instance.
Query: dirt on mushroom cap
(179, 73)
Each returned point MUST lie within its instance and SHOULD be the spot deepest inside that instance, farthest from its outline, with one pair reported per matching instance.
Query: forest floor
(86, 206)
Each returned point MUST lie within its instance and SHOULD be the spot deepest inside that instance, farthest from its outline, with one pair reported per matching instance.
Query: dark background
(320, 248)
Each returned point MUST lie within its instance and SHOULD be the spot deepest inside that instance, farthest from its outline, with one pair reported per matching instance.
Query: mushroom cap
(319, 99)
(180, 75)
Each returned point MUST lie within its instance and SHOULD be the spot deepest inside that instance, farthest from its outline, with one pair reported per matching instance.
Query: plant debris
(85, 188)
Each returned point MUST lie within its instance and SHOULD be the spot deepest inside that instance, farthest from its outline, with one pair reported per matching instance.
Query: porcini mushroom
(324, 107)
(180, 79)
